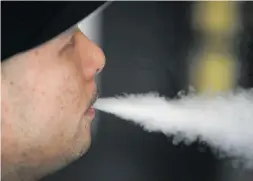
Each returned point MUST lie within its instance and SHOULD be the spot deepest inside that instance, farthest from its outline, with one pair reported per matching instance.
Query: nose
(92, 57)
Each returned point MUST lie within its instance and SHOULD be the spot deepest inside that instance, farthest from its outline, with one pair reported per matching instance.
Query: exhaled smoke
(224, 121)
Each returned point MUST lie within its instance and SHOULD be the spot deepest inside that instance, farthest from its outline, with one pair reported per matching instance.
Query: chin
(82, 140)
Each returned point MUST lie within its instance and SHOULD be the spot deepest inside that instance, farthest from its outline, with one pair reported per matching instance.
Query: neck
(16, 172)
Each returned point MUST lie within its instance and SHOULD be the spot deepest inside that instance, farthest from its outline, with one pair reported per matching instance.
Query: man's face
(47, 93)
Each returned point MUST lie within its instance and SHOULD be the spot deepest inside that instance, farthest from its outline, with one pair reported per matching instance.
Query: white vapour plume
(224, 121)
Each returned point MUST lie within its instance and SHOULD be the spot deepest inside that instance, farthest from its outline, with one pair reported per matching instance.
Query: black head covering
(28, 24)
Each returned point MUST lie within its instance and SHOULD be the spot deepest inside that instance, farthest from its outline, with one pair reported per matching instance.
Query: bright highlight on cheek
(223, 121)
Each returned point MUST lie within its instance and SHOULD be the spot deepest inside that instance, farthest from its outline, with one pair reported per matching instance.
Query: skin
(46, 93)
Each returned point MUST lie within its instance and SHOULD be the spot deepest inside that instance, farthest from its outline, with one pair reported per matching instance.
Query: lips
(91, 112)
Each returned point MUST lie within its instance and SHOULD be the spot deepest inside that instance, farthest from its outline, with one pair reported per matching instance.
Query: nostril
(97, 71)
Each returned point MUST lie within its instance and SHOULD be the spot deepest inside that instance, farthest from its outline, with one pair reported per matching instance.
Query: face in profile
(47, 95)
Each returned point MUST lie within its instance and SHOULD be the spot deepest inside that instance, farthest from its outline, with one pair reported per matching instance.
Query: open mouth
(91, 111)
(94, 99)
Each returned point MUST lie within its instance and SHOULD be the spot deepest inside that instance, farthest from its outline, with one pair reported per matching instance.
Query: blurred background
(163, 47)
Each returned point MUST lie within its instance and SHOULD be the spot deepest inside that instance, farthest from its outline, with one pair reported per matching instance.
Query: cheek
(65, 88)
(60, 126)
(58, 100)
(67, 104)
